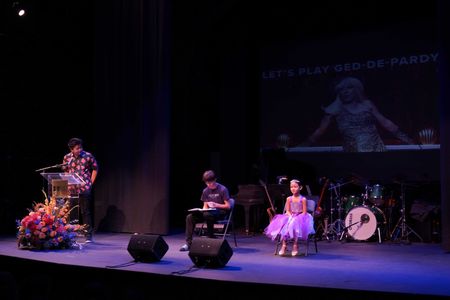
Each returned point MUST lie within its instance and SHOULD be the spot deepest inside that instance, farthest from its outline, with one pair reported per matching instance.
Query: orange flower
(47, 226)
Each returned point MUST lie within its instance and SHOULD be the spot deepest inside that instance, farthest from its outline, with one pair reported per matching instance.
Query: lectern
(59, 186)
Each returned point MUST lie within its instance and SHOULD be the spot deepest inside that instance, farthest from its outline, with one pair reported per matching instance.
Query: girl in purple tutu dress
(296, 223)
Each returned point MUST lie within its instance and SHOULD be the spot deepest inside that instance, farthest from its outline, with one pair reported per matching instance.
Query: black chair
(222, 227)
(311, 208)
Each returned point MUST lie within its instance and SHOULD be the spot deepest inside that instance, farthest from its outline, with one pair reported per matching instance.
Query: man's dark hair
(74, 142)
(209, 176)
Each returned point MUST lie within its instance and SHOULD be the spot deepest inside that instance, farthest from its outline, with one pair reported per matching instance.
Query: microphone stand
(50, 167)
(364, 219)
(345, 229)
(43, 171)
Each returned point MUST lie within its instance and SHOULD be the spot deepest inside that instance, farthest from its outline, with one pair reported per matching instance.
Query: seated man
(216, 196)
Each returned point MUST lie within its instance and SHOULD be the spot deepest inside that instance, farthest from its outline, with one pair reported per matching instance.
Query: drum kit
(360, 217)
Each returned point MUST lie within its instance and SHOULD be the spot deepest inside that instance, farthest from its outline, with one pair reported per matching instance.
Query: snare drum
(361, 222)
(376, 195)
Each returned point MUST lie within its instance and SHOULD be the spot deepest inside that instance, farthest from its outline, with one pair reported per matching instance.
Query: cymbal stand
(366, 195)
(402, 227)
(335, 227)
(389, 208)
(329, 228)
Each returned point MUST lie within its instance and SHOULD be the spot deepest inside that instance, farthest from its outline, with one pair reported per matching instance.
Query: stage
(105, 268)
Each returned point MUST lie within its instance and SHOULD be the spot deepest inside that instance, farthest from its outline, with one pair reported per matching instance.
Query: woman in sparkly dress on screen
(357, 118)
(296, 223)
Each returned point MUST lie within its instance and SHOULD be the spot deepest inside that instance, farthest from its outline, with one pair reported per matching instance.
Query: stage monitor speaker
(147, 248)
(210, 253)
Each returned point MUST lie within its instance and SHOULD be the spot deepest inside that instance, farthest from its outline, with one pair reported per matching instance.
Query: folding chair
(311, 208)
(221, 227)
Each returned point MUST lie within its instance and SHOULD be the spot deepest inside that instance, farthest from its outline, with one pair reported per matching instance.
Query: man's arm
(226, 205)
(205, 205)
(93, 176)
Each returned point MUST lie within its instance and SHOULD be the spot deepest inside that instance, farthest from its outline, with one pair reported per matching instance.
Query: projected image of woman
(357, 118)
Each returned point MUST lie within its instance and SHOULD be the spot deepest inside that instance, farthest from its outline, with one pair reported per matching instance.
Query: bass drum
(362, 222)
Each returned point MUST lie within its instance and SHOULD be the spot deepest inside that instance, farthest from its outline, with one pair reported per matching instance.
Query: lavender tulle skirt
(290, 227)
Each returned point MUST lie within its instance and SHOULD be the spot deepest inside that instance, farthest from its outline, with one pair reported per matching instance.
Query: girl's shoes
(294, 251)
(282, 250)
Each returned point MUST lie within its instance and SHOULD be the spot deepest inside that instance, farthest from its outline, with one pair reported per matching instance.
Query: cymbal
(415, 185)
(357, 179)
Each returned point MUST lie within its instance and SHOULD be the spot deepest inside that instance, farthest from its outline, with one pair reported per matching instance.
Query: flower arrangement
(46, 226)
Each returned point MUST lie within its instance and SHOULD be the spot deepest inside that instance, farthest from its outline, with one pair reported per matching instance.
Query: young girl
(295, 223)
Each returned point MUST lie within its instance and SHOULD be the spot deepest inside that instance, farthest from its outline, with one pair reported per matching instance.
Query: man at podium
(85, 166)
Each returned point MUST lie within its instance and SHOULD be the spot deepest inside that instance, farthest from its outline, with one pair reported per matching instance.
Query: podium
(62, 187)
(59, 184)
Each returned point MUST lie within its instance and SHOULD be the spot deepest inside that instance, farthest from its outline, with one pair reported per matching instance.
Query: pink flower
(47, 227)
